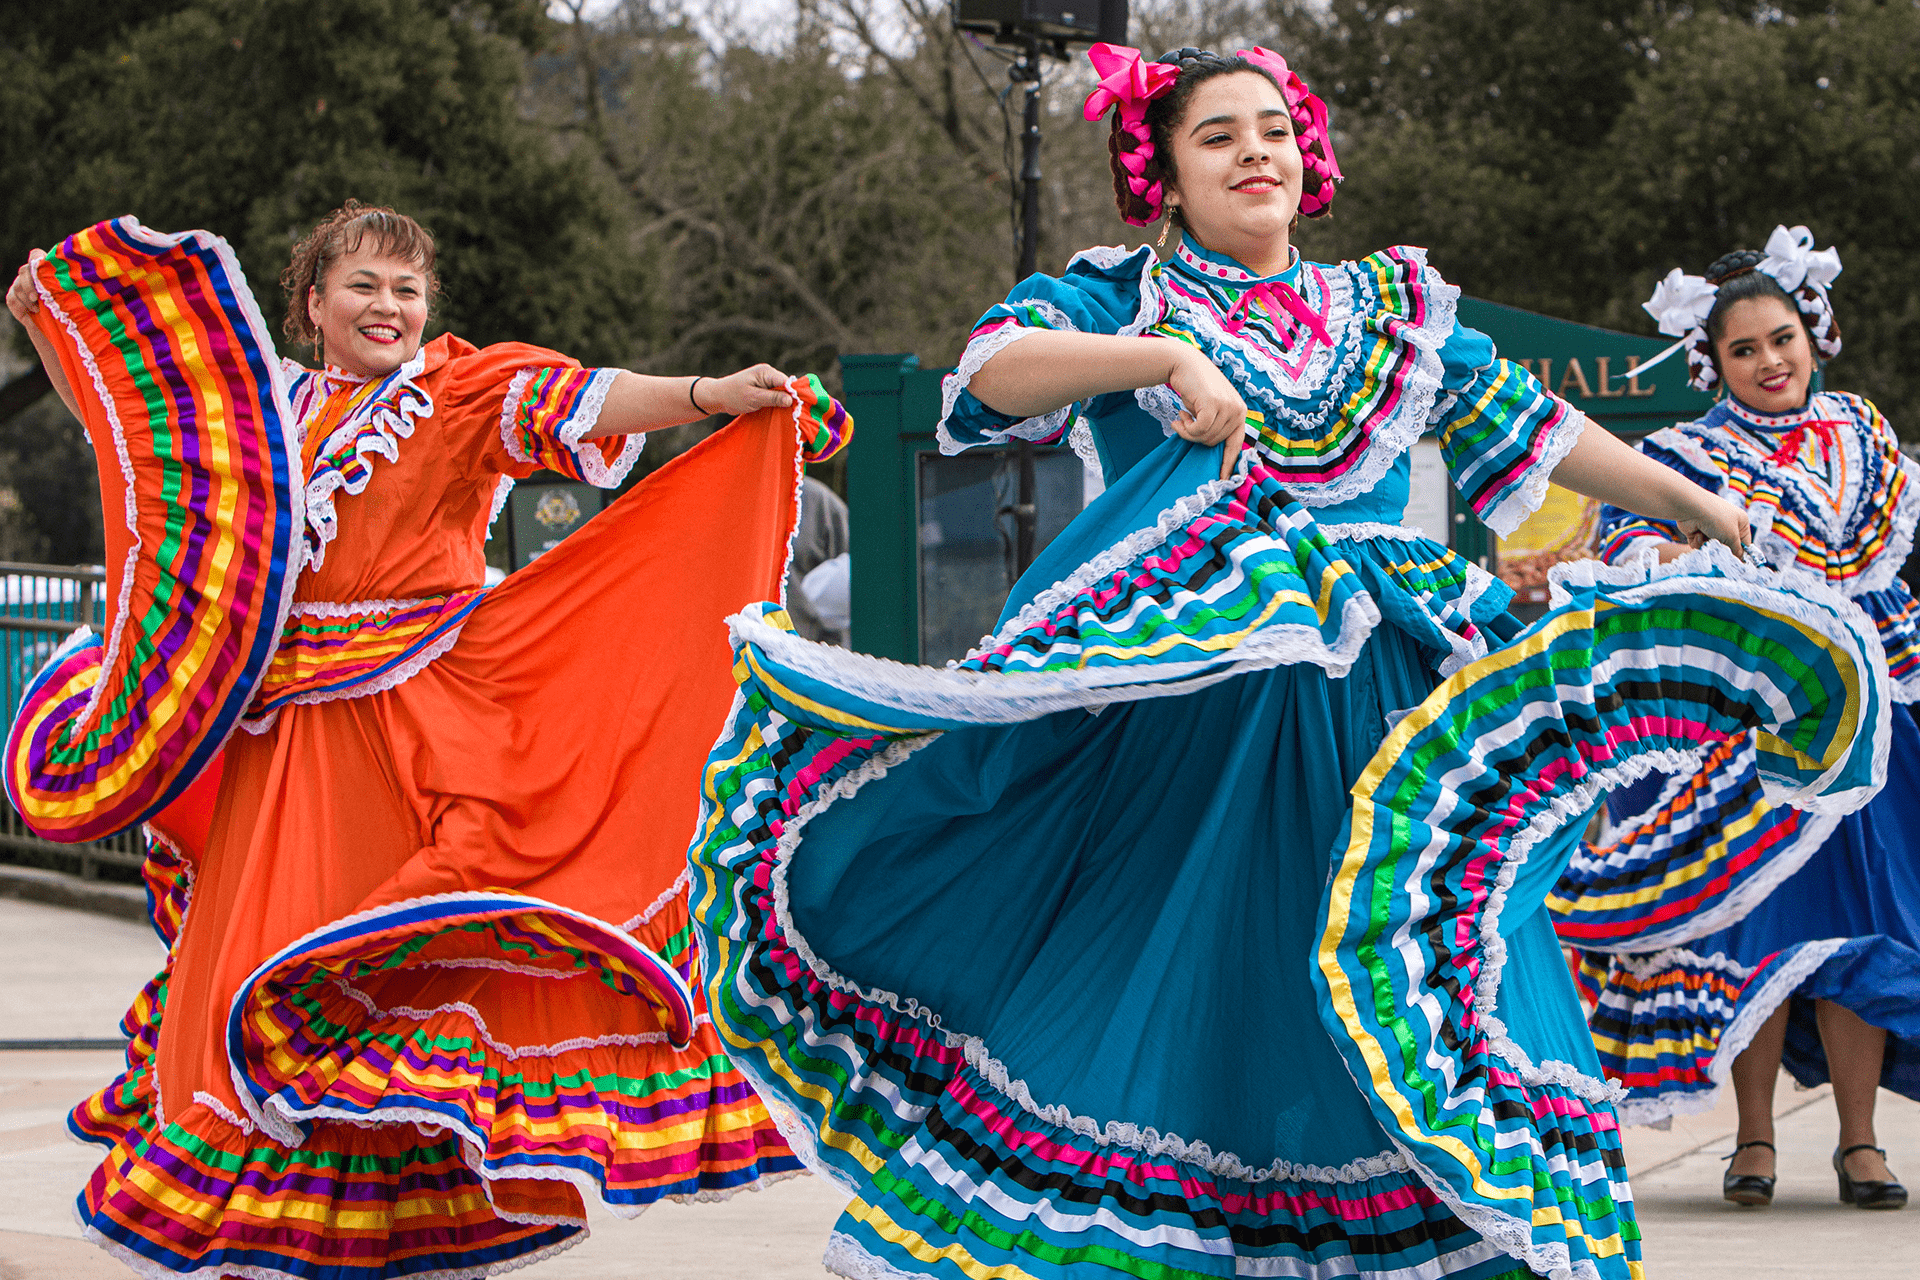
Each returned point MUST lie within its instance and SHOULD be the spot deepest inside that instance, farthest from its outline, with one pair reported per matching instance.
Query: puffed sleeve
(1620, 528)
(529, 409)
(1501, 432)
(1102, 291)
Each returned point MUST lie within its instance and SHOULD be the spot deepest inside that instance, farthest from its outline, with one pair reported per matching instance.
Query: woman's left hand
(760, 387)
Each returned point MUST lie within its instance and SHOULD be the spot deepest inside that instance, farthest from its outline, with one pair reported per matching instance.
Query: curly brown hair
(342, 232)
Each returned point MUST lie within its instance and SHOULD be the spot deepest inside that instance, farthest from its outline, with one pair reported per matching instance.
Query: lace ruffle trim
(1422, 388)
(625, 1040)
(375, 430)
(382, 683)
(1802, 597)
(1151, 1142)
(985, 347)
(594, 467)
(973, 359)
(1815, 829)
(1753, 1012)
(678, 889)
(1506, 515)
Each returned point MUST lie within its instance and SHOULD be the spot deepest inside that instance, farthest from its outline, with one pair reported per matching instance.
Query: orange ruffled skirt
(416, 1004)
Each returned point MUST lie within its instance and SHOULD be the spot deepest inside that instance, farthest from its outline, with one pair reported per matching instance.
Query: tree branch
(838, 333)
(670, 357)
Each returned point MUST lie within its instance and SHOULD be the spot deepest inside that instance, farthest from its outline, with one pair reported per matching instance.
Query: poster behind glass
(966, 537)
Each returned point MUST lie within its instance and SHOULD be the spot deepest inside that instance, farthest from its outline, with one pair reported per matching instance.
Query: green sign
(539, 515)
(1592, 369)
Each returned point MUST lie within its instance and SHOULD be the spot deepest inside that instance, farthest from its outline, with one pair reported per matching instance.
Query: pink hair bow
(1310, 125)
(1128, 81)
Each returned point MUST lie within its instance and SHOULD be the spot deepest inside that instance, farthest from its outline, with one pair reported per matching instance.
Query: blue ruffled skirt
(1194, 926)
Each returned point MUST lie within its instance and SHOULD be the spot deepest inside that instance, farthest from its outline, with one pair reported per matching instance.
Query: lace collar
(1772, 423)
(1194, 258)
(1826, 474)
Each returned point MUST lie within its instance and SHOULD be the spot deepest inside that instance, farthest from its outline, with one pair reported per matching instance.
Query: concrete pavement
(69, 975)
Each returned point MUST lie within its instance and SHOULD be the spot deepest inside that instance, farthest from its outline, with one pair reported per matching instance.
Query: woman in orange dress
(429, 944)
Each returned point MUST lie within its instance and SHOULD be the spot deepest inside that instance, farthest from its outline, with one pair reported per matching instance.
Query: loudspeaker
(1081, 21)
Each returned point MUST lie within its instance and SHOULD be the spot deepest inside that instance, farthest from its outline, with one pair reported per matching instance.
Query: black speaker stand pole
(1026, 69)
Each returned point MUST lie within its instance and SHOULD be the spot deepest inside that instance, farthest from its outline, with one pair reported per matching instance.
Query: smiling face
(1237, 169)
(1764, 355)
(371, 310)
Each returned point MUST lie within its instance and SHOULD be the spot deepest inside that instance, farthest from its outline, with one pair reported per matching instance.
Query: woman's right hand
(1713, 518)
(1212, 412)
(22, 298)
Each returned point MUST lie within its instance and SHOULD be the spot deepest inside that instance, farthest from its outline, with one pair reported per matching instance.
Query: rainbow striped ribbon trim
(1461, 820)
(328, 650)
(197, 454)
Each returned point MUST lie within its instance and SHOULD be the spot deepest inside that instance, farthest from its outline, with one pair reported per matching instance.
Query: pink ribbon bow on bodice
(1278, 296)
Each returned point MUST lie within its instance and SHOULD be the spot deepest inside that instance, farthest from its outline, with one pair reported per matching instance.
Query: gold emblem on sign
(557, 509)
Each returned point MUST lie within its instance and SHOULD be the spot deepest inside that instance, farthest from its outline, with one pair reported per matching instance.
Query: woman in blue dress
(1176, 931)
(1817, 961)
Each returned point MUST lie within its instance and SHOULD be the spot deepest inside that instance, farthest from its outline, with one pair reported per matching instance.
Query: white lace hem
(413, 1013)
(594, 466)
(1151, 1142)
(356, 608)
(678, 889)
(1367, 530)
(1746, 1024)
(502, 490)
(382, 683)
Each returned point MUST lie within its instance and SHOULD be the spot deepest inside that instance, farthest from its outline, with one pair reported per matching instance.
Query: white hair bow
(1680, 303)
(1792, 260)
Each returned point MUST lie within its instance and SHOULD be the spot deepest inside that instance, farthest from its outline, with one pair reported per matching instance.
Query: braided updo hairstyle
(1196, 66)
(342, 232)
(1737, 277)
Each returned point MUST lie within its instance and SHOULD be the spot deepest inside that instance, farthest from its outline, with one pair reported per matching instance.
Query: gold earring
(1165, 227)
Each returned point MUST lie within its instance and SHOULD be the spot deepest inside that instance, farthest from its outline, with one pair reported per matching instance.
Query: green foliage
(632, 192)
(252, 118)
(1562, 155)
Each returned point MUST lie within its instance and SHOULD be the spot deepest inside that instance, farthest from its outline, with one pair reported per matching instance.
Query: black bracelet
(695, 403)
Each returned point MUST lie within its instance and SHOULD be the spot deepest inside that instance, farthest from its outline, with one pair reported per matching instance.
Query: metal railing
(40, 606)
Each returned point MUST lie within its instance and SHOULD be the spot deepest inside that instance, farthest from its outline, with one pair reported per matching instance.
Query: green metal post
(880, 499)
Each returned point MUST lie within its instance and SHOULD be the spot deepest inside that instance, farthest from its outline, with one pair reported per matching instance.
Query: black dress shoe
(1867, 1195)
(1747, 1188)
